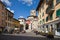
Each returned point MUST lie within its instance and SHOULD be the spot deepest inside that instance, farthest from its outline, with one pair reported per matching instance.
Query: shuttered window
(58, 13)
(46, 18)
(51, 16)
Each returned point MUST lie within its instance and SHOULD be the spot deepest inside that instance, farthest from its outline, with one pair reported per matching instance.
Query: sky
(21, 8)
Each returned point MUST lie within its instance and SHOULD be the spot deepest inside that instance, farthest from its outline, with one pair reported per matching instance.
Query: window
(43, 20)
(3, 14)
(51, 27)
(46, 18)
(51, 16)
(43, 26)
(40, 22)
(2, 22)
(46, 26)
(58, 27)
(42, 14)
(27, 26)
(22, 20)
(0, 6)
(58, 13)
(42, 6)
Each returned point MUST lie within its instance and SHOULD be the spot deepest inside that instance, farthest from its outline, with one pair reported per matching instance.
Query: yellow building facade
(6, 19)
(2, 16)
(49, 16)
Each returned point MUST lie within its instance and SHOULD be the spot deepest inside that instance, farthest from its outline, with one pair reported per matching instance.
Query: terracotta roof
(32, 16)
(16, 19)
(21, 18)
(9, 11)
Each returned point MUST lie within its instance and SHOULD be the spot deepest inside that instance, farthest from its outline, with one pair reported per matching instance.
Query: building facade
(49, 16)
(16, 25)
(33, 21)
(6, 18)
(9, 19)
(2, 16)
(22, 24)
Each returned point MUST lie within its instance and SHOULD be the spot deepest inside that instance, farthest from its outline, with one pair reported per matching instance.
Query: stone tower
(33, 13)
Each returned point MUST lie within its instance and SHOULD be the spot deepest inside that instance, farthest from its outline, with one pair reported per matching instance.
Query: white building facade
(22, 23)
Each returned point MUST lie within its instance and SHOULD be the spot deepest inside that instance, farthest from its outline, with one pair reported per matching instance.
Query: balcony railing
(10, 15)
(49, 1)
(50, 9)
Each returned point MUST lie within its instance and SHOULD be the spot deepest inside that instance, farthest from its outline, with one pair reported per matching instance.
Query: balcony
(49, 1)
(10, 15)
(50, 9)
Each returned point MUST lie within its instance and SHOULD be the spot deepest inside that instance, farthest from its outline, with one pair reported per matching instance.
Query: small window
(46, 18)
(3, 14)
(43, 26)
(42, 14)
(40, 22)
(43, 20)
(47, 26)
(51, 16)
(22, 20)
(2, 22)
(42, 6)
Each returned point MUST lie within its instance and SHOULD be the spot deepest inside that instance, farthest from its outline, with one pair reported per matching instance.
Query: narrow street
(30, 34)
(29, 19)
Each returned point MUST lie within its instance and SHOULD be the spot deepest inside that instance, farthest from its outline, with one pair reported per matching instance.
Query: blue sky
(21, 7)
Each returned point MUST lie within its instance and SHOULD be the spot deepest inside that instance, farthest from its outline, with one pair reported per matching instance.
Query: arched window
(58, 13)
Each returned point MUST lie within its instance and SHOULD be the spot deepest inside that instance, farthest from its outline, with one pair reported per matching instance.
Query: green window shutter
(46, 19)
(58, 13)
(51, 16)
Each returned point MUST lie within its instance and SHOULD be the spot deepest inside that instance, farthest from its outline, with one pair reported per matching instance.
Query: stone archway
(27, 26)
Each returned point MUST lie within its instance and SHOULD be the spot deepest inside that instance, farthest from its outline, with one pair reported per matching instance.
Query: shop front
(1, 29)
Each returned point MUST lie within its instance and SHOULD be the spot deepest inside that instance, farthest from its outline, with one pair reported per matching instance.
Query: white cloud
(21, 17)
(7, 2)
(10, 10)
(28, 2)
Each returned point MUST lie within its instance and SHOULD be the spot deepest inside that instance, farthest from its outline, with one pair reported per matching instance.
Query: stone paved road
(31, 34)
(15, 37)
(25, 36)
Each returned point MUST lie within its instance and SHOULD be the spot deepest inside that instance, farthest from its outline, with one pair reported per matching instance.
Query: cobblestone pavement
(25, 36)
(11, 37)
